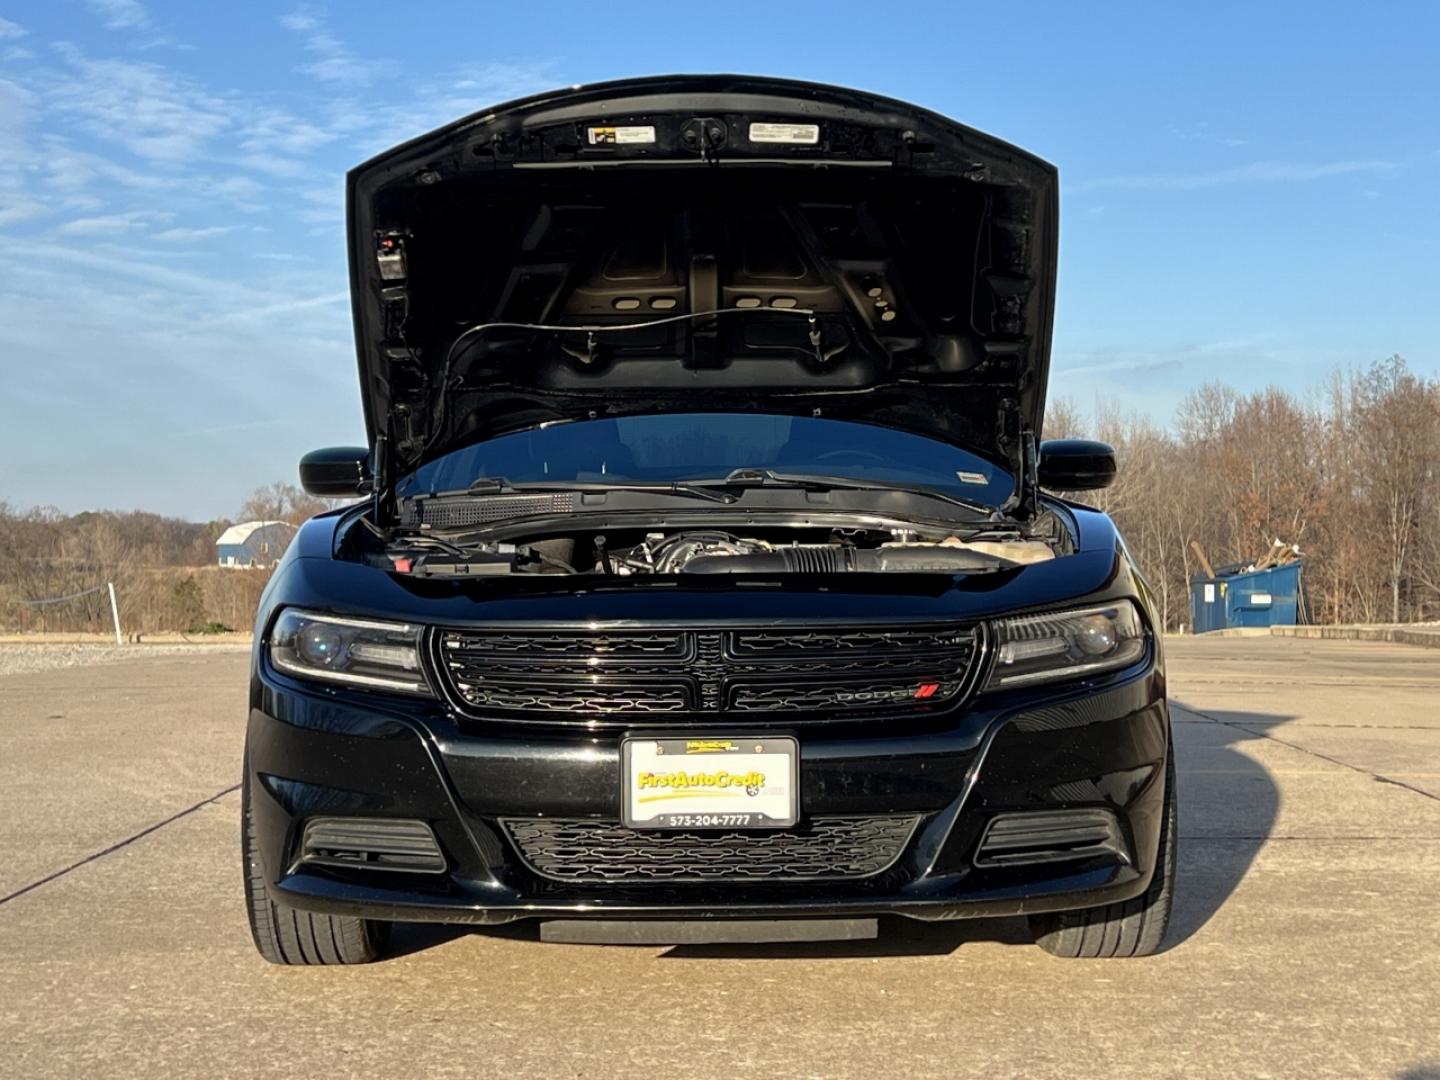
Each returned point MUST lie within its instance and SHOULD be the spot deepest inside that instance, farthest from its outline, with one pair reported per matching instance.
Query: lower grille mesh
(825, 848)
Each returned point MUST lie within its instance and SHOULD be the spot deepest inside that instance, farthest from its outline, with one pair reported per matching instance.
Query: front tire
(287, 935)
(1129, 928)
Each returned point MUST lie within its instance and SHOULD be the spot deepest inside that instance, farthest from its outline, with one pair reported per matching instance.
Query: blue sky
(1248, 194)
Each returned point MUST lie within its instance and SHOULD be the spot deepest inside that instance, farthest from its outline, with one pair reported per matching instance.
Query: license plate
(727, 783)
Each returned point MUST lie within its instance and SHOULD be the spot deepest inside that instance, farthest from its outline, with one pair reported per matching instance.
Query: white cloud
(15, 106)
(1070, 363)
(225, 429)
(153, 112)
(1204, 132)
(277, 131)
(14, 210)
(242, 192)
(177, 291)
(16, 202)
(283, 307)
(193, 235)
(111, 224)
(300, 20)
(371, 126)
(1258, 172)
(120, 14)
(10, 30)
(69, 170)
(334, 62)
(165, 43)
(120, 177)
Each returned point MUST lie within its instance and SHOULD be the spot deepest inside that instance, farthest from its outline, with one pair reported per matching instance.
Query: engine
(722, 553)
(784, 551)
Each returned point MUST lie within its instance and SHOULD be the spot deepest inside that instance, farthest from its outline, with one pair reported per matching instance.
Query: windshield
(695, 446)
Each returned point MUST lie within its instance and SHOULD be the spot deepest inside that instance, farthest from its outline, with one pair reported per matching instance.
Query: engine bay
(748, 550)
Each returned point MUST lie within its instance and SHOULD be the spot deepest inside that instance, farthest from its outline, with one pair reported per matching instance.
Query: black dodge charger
(702, 578)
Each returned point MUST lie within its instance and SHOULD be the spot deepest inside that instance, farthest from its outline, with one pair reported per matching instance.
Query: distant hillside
(55, 566)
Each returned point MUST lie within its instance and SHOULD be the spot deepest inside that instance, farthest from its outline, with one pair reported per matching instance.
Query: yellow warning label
(621, 136)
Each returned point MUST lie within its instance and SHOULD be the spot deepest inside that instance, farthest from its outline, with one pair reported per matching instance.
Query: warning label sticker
(791, 134)
(620, 136)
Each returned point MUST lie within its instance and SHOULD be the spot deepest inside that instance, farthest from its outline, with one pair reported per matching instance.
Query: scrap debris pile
(1280, 554)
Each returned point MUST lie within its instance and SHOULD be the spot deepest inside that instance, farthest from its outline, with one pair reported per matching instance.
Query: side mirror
(1076, 465)
(337, 472)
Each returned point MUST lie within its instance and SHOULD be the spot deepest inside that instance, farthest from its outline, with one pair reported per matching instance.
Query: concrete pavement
(1306, 940)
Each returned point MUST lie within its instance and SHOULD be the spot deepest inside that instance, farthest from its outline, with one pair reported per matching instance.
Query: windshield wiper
(754, 477)
(498, 485)
(722, 489)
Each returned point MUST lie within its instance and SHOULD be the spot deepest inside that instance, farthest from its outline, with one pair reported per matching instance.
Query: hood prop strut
(377, 476)
(1029, 485)
(1018, 442)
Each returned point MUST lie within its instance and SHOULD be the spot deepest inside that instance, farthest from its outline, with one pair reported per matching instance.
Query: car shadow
(1228, 806)
(1229, 802)
(898, 936)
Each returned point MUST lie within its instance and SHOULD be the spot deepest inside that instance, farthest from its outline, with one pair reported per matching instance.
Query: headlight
(355, 651)
(1064, 644)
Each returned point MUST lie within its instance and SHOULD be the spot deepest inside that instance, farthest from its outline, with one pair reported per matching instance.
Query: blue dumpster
(1239, 597)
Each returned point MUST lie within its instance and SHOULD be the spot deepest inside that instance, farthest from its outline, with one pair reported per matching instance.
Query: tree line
(164, 568)
(1348, 472)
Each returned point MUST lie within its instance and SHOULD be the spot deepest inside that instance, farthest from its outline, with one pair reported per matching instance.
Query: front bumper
(318, 752)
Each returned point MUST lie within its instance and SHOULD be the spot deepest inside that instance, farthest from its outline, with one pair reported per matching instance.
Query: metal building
(254, 543)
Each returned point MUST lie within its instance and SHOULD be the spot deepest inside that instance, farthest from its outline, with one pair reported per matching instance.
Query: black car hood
(926, 251)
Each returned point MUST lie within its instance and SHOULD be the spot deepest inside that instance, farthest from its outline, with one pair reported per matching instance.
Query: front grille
(825, 848)
(701, 676)
(534, 697)
(841, 642)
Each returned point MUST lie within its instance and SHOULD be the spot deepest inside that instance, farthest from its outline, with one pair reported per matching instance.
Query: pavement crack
(119, 844)
(1306, 724)
(1377, 777)
(1311, 839)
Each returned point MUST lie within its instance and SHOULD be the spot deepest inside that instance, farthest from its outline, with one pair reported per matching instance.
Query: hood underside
(793, 248)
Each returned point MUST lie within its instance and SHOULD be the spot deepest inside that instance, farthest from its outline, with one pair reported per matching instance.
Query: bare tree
(282, 502)
(1395, 427)
(1063, 420)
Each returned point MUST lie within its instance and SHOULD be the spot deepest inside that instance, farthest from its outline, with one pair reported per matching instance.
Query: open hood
(798, 248)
